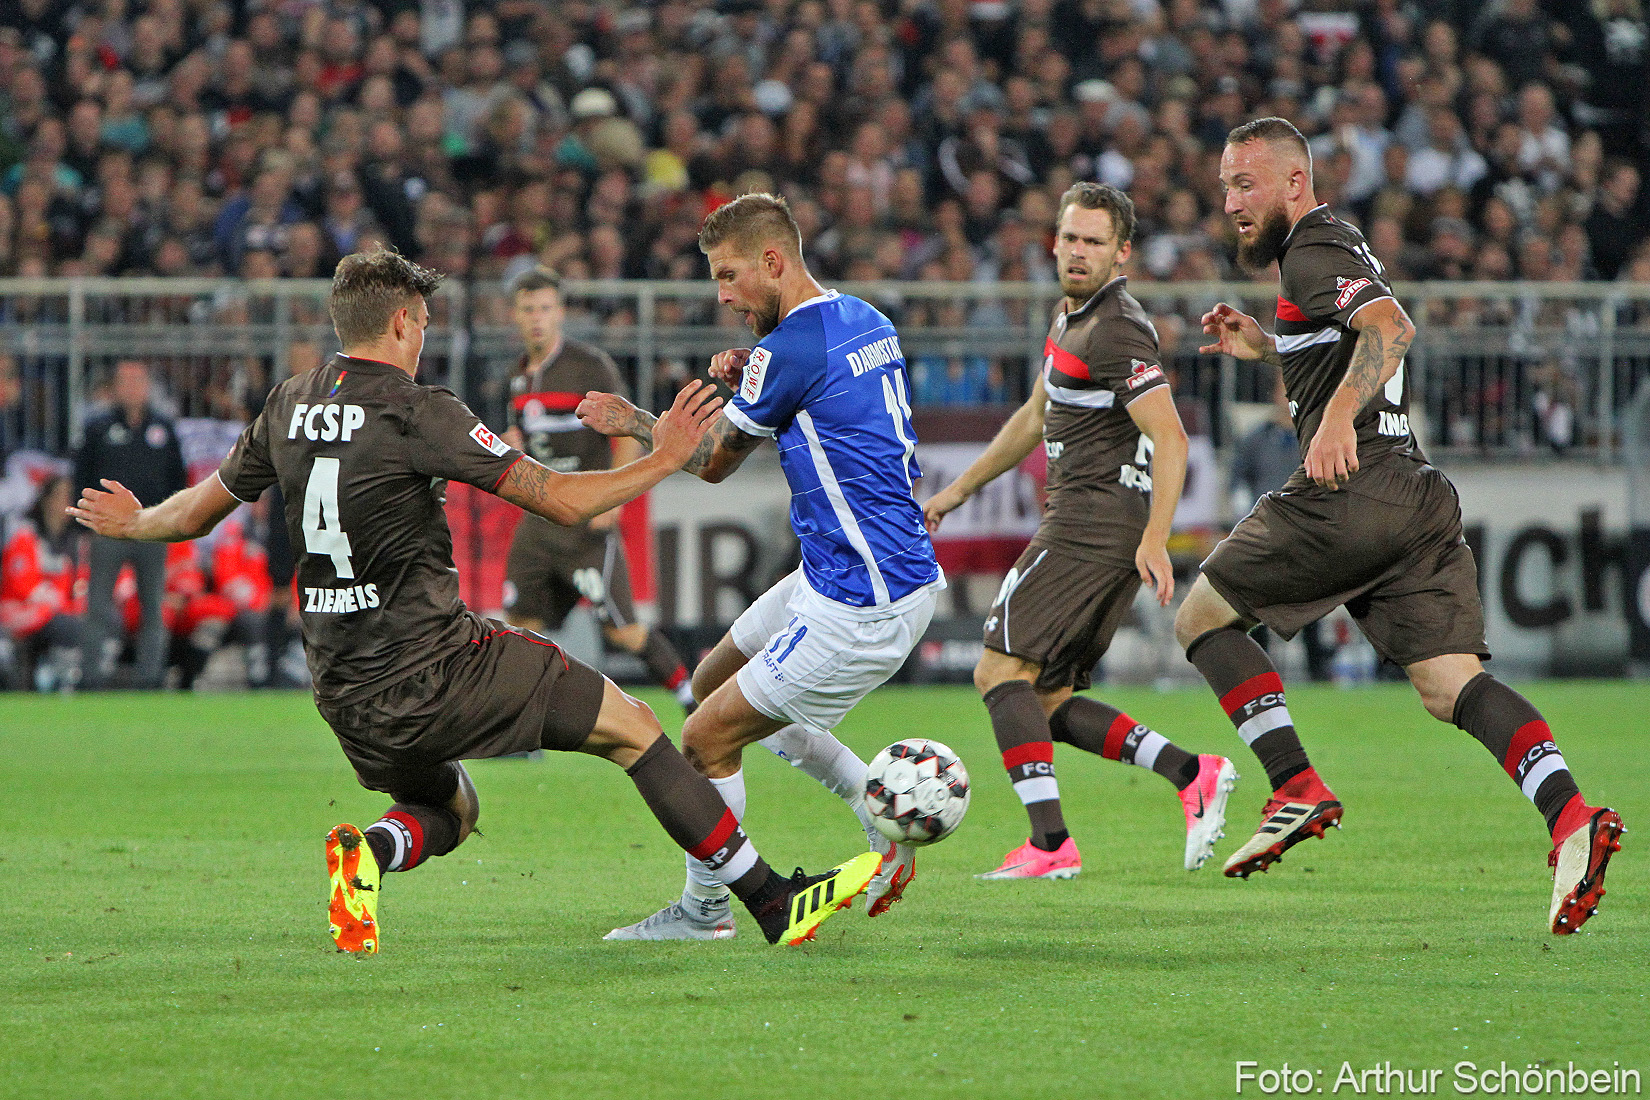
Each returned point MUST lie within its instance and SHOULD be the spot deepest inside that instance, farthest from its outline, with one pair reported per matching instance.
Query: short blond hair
(751, 222)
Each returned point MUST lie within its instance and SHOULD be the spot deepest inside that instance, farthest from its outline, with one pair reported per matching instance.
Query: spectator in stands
(135, 444)
(42, 595)
(1617, 224)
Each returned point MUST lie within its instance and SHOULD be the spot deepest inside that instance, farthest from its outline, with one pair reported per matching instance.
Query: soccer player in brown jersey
(550, 565)
(1366, 522)
(1117, 460)
(410, 680)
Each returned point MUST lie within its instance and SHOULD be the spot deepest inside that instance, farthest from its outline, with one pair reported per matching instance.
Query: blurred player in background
(1366, 522)
(551, 566)
(1116, 463)
(410, 680)
(826, 382)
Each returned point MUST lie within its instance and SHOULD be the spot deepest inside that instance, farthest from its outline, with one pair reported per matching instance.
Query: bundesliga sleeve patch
(756, 372)
(1347, 289)
(489, 441)
(1142, 373)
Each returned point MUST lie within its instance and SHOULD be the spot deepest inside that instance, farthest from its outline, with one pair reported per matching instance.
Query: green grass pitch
(163, 926)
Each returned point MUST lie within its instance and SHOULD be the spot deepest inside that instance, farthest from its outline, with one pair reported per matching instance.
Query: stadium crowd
(916, 139)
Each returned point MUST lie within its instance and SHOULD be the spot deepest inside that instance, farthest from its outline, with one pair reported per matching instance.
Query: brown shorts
(1059, 612)
(551, 568)
(506, 692)
(1389, 547)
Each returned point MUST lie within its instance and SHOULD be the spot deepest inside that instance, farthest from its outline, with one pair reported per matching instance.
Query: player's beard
(1082, 288)
(1268, 243)
(764, 315)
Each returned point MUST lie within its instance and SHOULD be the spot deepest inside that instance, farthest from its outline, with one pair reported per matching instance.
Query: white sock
(684, 693)
(702, 883)
(834, 764)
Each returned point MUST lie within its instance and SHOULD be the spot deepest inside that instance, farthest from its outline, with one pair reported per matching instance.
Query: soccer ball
(917, 791)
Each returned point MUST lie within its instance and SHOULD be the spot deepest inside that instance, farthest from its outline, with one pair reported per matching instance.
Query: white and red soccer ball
(917, 791)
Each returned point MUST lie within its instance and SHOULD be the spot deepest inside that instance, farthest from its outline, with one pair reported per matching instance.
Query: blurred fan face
(1087, 253)
(748, 285)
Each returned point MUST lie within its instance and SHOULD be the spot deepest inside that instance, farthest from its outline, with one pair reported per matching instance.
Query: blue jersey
(828, 384)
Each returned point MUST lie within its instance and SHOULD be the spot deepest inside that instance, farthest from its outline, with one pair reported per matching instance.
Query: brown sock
(1028, 754)
(408, 834)
(1515, 733)
(697, 819)
(1092, 726)
(1242, 675)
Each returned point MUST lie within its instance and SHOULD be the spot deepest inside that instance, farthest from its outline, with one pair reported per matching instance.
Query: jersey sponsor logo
(327, 422)
(1347, 289)
(489, 441)
(1142, 372)
(756, 371)
(1393, 424)
(340, 601)
(874, 355)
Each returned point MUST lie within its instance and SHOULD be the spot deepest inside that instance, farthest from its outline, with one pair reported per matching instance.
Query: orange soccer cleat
(353, 894)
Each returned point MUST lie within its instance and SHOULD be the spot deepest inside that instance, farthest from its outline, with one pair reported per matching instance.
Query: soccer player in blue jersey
(826, 382)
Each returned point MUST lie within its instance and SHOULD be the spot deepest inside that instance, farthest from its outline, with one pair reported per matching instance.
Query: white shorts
(812, 659)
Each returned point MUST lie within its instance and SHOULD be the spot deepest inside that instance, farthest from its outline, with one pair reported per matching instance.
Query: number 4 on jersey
(323, 525)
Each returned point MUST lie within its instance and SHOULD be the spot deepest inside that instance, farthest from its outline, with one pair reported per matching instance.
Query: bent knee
(998, 668)
(1440, 704)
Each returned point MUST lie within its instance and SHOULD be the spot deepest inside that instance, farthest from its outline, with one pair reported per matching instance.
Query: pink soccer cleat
(1205, 803)
(1030, 861)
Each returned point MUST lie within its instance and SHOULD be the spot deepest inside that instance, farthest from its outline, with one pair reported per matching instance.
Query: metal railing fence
(1497, 369)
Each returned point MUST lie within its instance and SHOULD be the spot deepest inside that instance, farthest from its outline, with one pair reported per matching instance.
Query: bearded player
(1366, 522)
(550, 565)
(825, 382)
(409, 679)
(1103, 411)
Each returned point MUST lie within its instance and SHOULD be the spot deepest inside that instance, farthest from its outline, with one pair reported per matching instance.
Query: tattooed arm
(719, 453)
(1384, 335)
(572, 498)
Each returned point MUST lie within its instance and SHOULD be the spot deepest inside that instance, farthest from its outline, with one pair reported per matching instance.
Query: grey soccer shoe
(687, 919)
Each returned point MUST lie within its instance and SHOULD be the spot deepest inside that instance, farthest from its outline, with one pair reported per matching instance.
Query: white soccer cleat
(1579, 862)
(899, 867)
(706, 921)
(1205, 803)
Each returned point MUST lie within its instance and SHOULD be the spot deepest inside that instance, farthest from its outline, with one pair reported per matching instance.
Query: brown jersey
(363, 454)
(1098, 359)
(542, 401)
(1328, 274)
(542, 404)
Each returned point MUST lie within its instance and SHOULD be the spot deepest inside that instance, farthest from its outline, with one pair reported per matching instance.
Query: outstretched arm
(718, 454)
(115, 512)
(573, 498)
(1017, 438)
(1239, 335)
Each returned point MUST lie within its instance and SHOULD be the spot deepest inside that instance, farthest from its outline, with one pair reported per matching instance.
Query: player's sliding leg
(1455, 688)
(435, 810)
(1203, 781)
(663, 662)
(698, 818)
(1244, 679)
(1023, 737)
